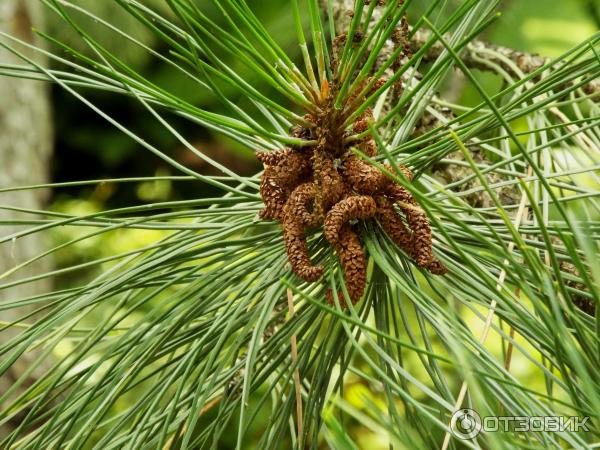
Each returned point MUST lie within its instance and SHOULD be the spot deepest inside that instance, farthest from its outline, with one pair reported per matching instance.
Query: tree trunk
(25, 149)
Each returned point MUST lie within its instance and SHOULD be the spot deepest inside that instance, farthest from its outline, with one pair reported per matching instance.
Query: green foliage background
(92, 150)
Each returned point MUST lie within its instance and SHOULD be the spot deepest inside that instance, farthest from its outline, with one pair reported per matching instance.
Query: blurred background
(47, 135)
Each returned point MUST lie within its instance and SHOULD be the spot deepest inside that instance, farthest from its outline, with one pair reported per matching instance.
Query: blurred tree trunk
(25, 149)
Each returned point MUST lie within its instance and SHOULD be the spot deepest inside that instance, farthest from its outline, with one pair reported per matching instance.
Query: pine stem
(297, 384)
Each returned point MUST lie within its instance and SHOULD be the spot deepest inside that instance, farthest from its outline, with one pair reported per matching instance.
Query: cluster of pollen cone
(328, 185)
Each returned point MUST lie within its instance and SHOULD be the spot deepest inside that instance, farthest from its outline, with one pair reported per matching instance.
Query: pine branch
(194, 322)
(478, 55)
(483, 55)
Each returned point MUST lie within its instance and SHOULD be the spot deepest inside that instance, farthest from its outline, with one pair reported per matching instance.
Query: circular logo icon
(465, 424)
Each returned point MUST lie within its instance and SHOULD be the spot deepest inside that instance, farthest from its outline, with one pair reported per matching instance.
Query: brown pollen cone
(366, 178)
(297, 249)
(363, 177)
(436, 267)
(272, 194)
(362, 124)
(272, 158)
(291, 169)
(301, 203)
(351, 208)
(416, 243)
(330, 188)
(327, 184)
(418, 222)
(405, 171)
(393, 225)
(288, 166)
(283, 170)
(354, 263)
